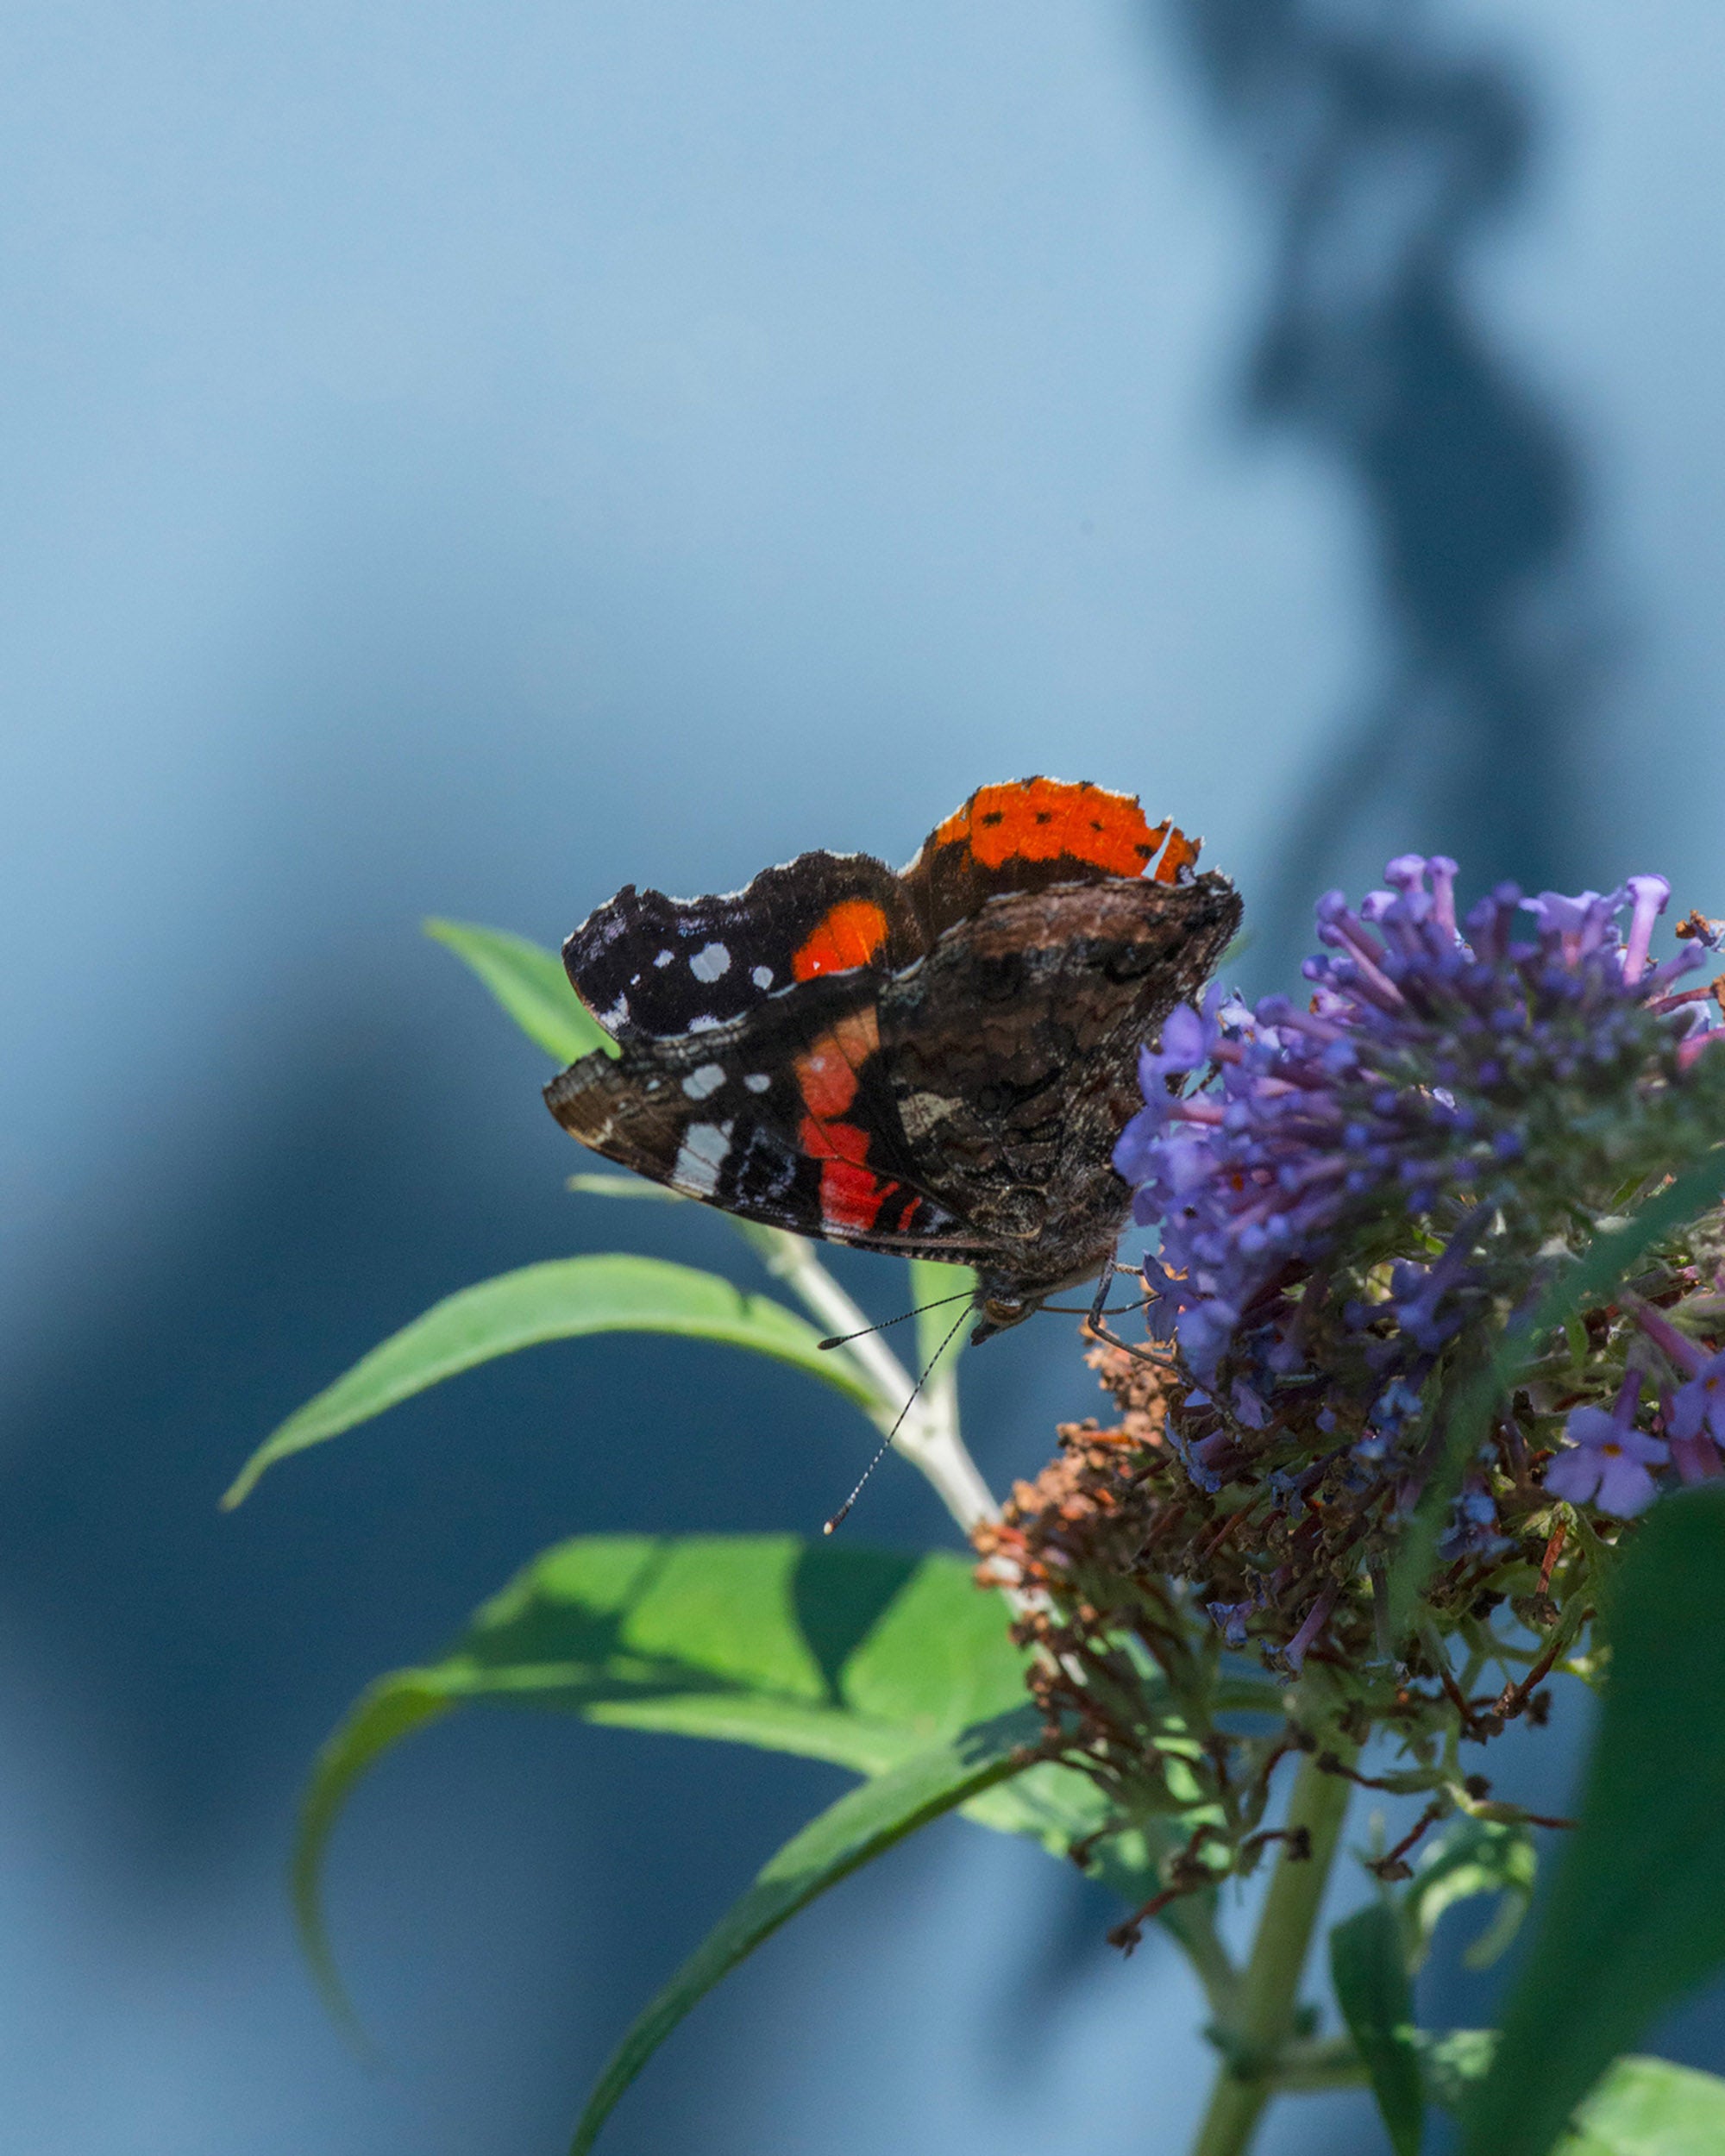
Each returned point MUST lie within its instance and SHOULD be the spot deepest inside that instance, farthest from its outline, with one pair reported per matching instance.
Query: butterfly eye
(1004, 1309)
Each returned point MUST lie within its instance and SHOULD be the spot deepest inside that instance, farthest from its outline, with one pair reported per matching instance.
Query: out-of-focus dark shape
(1382, 153)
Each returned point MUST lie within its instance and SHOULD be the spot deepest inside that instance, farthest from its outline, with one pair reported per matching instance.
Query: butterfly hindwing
(783, 1116)
(1012, 1053)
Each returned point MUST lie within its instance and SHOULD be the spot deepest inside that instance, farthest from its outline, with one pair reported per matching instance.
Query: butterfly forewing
(644, 963)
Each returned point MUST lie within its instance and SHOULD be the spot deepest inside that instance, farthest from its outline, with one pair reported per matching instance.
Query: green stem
(1263, 2020)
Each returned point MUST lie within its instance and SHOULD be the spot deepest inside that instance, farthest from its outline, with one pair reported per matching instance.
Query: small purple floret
(1609, 1464)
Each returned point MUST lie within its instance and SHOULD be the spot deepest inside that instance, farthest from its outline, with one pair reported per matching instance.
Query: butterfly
(935, 1060)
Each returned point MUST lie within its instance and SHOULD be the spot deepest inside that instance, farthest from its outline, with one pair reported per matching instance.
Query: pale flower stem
(1267, 2004)
(928, 1437)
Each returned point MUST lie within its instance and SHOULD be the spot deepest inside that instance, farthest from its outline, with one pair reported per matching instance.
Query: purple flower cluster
(1373, 1163)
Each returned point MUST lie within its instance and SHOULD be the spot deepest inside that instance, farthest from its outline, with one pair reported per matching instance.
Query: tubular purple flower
(1581, 923)
(1295, 1653)
(1678, 1349)
(1649, 895)
(1696, 1459)
(1700, 1405)
(1697, 1045)
(1443, 873)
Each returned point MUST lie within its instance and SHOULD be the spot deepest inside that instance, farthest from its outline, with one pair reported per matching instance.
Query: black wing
(647, 965)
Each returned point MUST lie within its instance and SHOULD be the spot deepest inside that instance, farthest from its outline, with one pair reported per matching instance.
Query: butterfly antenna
(838, 1518)
(840, 1339)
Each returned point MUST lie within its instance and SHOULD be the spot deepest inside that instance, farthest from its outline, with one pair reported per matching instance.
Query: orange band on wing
(849, 935)
(1042, 819)
(826, 1070)
(851, 1195)
(1181, 854)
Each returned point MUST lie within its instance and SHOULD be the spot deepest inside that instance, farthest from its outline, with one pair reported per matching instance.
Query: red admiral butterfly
(936, 1063)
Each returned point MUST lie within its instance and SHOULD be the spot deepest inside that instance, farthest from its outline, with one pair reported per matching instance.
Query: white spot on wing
(705, 1022)
(664, 958)
(700, 1157)
(757, 1081)
(710, 962)
(708, 1079)
(618, 1013)
(762, 976)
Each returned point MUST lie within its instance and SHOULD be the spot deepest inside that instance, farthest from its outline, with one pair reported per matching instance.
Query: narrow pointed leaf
(1376, 2002)
(387, 1713)
(1636, 1918)
(863, 1824)
(529, 982)
(861, 1658)
(563, 1299)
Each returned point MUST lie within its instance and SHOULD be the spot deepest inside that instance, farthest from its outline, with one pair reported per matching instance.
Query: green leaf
(387, 1713)
(863, 1824)
(529, 982)
(624, 1186)
(1607, 1260)
(1475, 1856)
(1452, 2062)
(1376, 2002)
(1637, 1913)
(563, 1299)
(1648, 2107)
(858, 1657)
(1642, 2107)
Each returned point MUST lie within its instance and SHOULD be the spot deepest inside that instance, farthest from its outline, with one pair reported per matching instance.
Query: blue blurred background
(457, 461)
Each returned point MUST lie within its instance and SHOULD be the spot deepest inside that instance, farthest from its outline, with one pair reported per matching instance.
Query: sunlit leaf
(1376, 2002)
(863, 1824)
(529, 982)
(1636, 1918)
(1452, 2062)
(1642, 2107)
(563, 1299)
(858, 1657)
(1648, 2107)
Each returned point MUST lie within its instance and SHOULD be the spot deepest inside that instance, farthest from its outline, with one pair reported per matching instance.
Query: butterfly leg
(1104, 1279)
(1099, 1330)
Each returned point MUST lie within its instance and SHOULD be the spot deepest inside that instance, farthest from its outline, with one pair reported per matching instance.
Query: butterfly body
(935, 1062)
